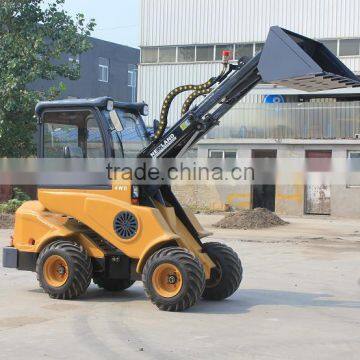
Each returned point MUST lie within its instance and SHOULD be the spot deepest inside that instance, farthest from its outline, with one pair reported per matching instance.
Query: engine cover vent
(125, 225)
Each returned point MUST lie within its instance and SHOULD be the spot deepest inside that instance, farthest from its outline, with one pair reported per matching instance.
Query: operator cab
(91, 128)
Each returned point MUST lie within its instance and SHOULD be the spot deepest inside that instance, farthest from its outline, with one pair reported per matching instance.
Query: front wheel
(64, 269)
(226, 277)
(174, 279)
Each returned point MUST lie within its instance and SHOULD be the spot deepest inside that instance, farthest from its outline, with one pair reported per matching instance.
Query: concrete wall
(290, 192)
(345, 201)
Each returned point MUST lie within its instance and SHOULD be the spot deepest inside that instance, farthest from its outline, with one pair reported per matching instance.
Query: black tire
(79, 269)
(227, 276)
(192, 278)
(112, 284)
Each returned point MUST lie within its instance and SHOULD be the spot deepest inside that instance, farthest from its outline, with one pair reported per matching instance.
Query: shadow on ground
(96, 295)
(241, 302)
(245, 299)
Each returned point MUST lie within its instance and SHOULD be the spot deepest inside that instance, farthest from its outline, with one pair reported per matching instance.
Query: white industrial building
(182, 43)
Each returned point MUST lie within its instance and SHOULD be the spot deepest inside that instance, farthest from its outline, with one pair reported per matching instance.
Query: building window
(331, 45)
(190, 53)
(222, 154)
(74, 59)
(132, 80)
(353, 167)
(221, 48)
(230, 154)
(258, 47)
(132, 76)
(205, 53)
(167, 54)
(149, 55)
(349, 47)
(186, 53)
(244, 50)
(103, 69)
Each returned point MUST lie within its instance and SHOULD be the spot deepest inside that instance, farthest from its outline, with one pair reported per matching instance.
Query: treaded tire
(79, 269)
(227, 278)
(112, 284)
(192, 273)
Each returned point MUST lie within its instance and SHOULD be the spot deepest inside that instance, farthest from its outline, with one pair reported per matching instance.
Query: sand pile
(258, 218)
(6, 221)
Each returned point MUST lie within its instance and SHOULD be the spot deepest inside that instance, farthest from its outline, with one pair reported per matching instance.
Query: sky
(117, 20)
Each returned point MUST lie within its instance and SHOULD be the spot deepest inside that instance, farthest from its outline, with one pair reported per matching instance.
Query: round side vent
(125, 225)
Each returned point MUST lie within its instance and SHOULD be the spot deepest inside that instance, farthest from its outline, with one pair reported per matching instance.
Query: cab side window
(132, 137)
(57, 137)
(94, 143)
(72, 134)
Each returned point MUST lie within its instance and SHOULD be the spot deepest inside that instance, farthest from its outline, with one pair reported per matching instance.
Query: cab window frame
(136, 119)
(106, 139)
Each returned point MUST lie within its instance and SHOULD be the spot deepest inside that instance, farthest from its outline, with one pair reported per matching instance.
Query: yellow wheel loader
(118, 233)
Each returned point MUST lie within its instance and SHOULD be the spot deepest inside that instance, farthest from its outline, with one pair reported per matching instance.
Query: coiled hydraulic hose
(192, 97)
(198, 90)
(172, 95)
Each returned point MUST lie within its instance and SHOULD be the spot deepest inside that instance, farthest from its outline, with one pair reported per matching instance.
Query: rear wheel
(64, 269)
(174, 279)
(226, 277)
(112, 284)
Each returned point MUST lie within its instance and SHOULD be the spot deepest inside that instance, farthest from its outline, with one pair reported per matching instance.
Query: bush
(18, 194)
(10, 207)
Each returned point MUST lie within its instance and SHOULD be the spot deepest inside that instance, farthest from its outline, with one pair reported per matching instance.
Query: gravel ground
(300, 299)
(6, 221)
(258, 218)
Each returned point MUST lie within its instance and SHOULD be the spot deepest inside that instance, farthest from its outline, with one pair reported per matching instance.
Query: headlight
(135, 194)
(110, 105)
(145, 110)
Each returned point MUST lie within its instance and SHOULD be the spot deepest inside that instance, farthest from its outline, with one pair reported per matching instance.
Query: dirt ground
(245, 219)
(300, 299)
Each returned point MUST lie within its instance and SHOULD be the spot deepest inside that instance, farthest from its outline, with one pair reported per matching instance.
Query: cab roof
(99, 102)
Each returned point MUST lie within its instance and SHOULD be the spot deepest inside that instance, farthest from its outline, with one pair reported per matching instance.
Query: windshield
(130, 130)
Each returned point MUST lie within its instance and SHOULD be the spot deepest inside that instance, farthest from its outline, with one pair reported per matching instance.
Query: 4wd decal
(164, 145)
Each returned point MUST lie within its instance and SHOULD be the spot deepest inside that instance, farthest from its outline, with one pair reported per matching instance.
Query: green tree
(33, 38)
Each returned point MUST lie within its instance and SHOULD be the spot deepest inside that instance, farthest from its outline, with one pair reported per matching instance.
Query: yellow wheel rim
(167, 280)
(55, 271)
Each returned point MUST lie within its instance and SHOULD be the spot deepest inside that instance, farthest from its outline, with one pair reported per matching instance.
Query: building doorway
(263, 194)
(317, 188)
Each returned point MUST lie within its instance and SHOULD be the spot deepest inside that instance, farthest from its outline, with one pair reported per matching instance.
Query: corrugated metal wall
(173, 22)
(352, 62)
(325, 120)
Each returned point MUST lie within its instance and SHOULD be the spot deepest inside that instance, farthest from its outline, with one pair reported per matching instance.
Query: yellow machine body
(79, 213)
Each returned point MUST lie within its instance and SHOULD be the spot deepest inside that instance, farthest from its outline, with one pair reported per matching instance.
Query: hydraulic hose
(192, 97)
(172, 95)
(198, 90)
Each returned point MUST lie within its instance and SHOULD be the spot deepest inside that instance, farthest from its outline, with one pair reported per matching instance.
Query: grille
(125, 225)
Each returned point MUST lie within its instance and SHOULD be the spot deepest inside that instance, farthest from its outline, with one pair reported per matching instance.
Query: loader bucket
(301, 63)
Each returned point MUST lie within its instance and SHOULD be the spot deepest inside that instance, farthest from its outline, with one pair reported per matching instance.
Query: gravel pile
(258, 218)
(6, 221)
